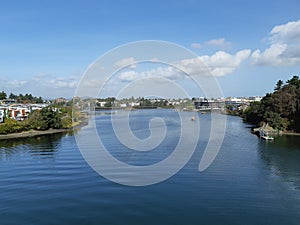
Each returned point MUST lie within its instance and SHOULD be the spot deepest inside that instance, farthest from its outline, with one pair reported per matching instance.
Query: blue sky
(45, 46)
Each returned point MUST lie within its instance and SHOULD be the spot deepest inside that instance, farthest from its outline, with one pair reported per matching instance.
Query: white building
(132, 104)
(2, 115)
(255, 98)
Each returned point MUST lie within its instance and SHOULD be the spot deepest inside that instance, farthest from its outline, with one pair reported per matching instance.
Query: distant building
(204, 103)
(2, 115)
(8, 101)
(61, 100)
(255, 98)
(132, 104)
(101, 104)
(235, 101)
(18, 113)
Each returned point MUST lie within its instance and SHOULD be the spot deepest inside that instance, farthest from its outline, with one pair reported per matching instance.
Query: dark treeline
(280, 109)
(27, 98)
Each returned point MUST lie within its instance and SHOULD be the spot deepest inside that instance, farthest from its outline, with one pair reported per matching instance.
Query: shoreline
(276, 133)
(32, 133)
(35, 133)
(289, 133)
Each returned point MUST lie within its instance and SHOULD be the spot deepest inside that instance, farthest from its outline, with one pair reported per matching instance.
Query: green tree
(45, 119)
(278, 85)
(280, 109)
(2, 95)
(276, 121)
(12, 96)
(294, 81)
(253, 114)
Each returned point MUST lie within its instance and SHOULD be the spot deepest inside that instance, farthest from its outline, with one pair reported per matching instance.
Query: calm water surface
(45, 180)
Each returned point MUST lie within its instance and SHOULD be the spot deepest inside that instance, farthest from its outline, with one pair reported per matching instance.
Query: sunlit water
(45, 180)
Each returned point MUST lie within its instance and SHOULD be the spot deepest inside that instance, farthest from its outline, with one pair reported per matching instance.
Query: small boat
(193, 118)
(264, 135)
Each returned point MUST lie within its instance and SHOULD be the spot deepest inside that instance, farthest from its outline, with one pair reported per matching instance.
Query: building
(2, 115)
(8, 101)
(61, 100)
(209, 104)
(132, 104)
(18, 113)
(235, 101)
(255, 98)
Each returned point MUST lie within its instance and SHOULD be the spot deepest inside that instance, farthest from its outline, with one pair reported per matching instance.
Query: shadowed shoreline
(33, 133)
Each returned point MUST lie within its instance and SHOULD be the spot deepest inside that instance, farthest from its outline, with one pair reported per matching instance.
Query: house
(255, 98)
(206, 104)
(61, 100)
(132, 104)
(235, 101)
(8, 101)
(101, 104)
(18, 113)
(2, 115)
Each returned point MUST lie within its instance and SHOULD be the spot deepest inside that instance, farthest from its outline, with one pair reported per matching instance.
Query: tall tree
(2, 95)
(280, 109)
(294, 81)
(278, 85)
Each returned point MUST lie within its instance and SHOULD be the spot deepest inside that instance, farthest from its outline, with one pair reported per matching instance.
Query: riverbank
(34, 133)
(290, 133)
(266, 128)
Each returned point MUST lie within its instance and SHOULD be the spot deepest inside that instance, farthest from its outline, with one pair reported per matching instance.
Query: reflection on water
(45, 181)
(44, 146)
(282, 156)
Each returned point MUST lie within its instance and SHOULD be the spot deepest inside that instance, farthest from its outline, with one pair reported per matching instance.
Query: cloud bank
(284, 46)
(218, 64)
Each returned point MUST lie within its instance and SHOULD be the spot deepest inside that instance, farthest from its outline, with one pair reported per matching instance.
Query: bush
(13, 126)
(66, 122)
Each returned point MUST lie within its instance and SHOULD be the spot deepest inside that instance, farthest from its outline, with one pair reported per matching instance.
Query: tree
(12, 96)
(294, 81)
(276, 121)
(253, 114)
(45, 119)
(280, 109)
(2, 95)
(278, 85)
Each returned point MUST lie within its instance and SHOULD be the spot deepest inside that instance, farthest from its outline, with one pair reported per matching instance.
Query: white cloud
(45, 85)
(126, 62)
(167, 72)
(219, 43)
(288, 32)
(271, 56)
(284, 50)
(16, 83)
(129, 76)
(220, 64)
(62, 82)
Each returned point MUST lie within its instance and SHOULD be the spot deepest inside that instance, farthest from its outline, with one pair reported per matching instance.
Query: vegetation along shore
(278, 112)
(28, 116)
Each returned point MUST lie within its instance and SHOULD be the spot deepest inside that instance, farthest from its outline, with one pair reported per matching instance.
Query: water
(45, 180)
